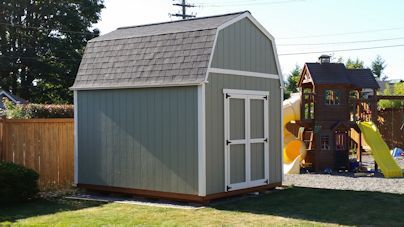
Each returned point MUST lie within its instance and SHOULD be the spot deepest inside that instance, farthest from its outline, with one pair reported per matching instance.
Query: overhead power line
(343, 33)
(183, 13)
(340, 50)
(332, 43)
(248, 3)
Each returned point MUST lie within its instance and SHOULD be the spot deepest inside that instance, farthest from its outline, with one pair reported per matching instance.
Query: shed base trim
(177, 196)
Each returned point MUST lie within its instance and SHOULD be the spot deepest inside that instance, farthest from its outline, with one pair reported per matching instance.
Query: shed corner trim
(201, 141)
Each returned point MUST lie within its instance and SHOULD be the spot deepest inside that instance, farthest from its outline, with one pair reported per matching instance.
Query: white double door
(246, 138)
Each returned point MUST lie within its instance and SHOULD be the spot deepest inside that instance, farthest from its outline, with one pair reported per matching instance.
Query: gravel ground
(347, 181)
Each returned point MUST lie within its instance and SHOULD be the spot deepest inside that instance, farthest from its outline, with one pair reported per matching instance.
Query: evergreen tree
(378, 65)
(293, 79)
(41, 45)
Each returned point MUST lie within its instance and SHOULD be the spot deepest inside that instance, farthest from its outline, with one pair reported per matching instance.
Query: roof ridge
(186, 20)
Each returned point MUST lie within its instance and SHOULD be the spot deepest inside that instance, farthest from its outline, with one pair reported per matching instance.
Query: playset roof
(337, 73)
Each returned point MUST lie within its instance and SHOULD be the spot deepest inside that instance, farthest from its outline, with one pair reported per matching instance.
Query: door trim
(246, 95)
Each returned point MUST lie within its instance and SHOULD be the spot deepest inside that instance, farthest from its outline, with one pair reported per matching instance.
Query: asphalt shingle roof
(363, 78)
(336, 73)
(328, 73)
(164, 54)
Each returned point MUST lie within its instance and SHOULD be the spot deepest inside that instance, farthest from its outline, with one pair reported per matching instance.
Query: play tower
(333, 98)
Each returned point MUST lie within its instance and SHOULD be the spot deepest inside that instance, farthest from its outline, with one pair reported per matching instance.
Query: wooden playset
(333, 99)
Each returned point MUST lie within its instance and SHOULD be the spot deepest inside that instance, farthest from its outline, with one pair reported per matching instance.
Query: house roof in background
(337, 73)
(164, 54)
(15, 99)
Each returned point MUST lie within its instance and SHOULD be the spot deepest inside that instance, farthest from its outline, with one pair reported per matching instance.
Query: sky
(299, 26)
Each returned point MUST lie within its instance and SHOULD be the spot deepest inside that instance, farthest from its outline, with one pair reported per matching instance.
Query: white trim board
(245, 92)
(201, 142)
(76, 136)
(243, 73)
(135, 86)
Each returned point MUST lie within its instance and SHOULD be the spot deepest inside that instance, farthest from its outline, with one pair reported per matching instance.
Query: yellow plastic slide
(380, 150)
(294, 150)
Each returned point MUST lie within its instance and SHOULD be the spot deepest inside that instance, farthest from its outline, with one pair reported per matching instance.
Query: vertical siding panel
(267, 59)
(108, 140)
(248, 52)
(137, 149)
(83, 167)
(157, 137)
(242, 44)
(129, 173)
(116, 152)
(166, 143)
(143, 140)
(181, 141)
(174, 131)
(124, 139)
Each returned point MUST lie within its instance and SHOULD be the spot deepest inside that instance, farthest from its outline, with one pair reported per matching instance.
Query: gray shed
(185, 110)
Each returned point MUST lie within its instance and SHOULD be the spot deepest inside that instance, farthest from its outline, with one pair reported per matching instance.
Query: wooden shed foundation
(177, 196)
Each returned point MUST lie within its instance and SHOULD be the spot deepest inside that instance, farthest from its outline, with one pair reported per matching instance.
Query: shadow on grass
(322, 205)
(13, 212)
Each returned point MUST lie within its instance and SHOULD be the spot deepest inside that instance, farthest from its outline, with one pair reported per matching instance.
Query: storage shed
(185, 110)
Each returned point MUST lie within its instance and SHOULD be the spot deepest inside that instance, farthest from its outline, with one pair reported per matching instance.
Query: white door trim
(246, 95)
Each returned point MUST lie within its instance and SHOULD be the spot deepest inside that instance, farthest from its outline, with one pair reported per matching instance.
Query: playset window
(325, 143)
(340, 141)
(332, 97)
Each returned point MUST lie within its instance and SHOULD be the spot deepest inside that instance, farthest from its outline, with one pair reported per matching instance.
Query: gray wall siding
(242, 46)
(215, 125)
(139, 138)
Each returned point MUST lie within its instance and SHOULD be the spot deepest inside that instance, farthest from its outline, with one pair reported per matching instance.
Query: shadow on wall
(322, 205)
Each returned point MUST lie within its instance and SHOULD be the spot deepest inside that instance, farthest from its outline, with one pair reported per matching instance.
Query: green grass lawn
(292, 206)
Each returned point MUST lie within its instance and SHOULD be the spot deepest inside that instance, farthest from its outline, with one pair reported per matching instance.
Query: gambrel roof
(164, 54)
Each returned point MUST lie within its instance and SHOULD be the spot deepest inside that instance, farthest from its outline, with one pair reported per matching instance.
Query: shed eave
(133, 86)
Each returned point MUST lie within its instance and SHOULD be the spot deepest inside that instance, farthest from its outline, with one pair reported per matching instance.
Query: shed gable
(242, 46)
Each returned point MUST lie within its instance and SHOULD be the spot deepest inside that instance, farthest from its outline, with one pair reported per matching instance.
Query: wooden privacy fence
(45, 145)
(391, 125)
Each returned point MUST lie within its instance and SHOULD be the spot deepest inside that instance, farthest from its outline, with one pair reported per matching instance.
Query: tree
(378, 65)
(41, 45)
(354, 64)
(397, 89)
(292, 81)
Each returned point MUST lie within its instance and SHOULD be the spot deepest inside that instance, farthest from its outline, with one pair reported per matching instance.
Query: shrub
(397, 89)
(27, 111)
(18, 183)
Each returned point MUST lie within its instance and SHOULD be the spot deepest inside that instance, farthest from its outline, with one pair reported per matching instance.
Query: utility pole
(184, 7)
